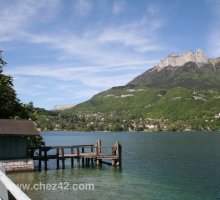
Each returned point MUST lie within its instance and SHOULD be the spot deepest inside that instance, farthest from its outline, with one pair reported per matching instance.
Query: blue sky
(66, 51)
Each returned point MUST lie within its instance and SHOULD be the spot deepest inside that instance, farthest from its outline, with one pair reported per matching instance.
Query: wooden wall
(12, 147)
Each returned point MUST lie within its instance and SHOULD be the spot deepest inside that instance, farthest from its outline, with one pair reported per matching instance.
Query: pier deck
(85, 155)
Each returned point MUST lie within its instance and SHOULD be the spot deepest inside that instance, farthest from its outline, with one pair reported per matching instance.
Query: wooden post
(87, 162)
(113, 162)
(63, 159)
(92, 150)
(39, 163)
(83, 161)
(58, 160)
(72, 159)
(45, 159)
(98, 163)
(118, 153)
(99, 144)
(114, 154)
(78, 160)
(98, 152)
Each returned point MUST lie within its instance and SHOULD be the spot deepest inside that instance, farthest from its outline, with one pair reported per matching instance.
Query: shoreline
(182, 131)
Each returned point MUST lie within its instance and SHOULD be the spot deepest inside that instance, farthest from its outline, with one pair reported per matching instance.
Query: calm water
(155, 166)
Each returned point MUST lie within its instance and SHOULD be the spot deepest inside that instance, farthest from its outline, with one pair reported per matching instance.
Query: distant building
(13, 138)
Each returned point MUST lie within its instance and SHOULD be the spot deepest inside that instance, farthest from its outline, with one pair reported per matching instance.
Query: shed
(13, 138)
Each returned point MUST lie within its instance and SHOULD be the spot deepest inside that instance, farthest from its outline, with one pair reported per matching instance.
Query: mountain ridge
(184, 97)
(190, 74)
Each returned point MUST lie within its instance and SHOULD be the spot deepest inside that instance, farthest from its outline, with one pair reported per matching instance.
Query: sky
(66, 51)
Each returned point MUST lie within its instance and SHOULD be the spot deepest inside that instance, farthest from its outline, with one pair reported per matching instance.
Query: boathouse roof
(17, 127)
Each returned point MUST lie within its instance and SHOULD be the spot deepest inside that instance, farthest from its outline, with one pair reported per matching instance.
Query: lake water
(171, 165)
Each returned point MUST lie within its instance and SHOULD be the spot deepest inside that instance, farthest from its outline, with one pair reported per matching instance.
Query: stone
(18, 165)
(178, 60)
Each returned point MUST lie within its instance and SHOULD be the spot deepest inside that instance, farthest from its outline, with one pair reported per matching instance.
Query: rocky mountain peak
(189, 69)
(198, 57)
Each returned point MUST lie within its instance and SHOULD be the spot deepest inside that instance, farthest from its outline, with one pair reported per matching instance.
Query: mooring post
(118, 153)
(77, 153)
(45, 159)
(83, 160)
(72, 160)
(39, 163)
(114, 154)
(58, 160)
(63, 159)
(88, 160)
(98, 152)
(99, 144)
(92, 149)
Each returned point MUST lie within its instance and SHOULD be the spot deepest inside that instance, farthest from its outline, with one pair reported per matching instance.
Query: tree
(10, 106)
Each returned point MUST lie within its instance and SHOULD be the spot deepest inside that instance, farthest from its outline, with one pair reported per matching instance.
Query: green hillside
(190, 75)
(173, 98)
(194, 108)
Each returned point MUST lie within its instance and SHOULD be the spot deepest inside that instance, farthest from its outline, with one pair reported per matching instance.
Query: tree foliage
(10, 105)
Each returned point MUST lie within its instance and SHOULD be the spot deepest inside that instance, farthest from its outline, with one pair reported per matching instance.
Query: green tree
(10, 105)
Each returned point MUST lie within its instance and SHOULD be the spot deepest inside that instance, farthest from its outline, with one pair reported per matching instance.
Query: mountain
(63, 106)
(182, 92)
(190, 74)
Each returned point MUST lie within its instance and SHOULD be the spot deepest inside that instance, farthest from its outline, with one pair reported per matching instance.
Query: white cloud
(98, 77)
(153, 9)
(119, 6)
(116, 52)
(76, 91)
(93, 46)
(83, 7)
(18, 16)
(140, 34)
(105, 82)
(52, 99)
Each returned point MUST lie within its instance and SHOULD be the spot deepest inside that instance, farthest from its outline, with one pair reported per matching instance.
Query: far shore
(181, 131)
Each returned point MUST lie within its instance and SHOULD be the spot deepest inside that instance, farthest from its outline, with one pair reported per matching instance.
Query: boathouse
(13, 143)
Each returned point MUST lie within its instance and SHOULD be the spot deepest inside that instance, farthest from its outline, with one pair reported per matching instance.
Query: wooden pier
(84, 155)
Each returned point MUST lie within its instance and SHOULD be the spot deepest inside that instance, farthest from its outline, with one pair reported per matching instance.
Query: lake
(163, 165)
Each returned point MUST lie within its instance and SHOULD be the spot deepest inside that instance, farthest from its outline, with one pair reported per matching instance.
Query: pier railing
(8, 189)
(83, 154)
